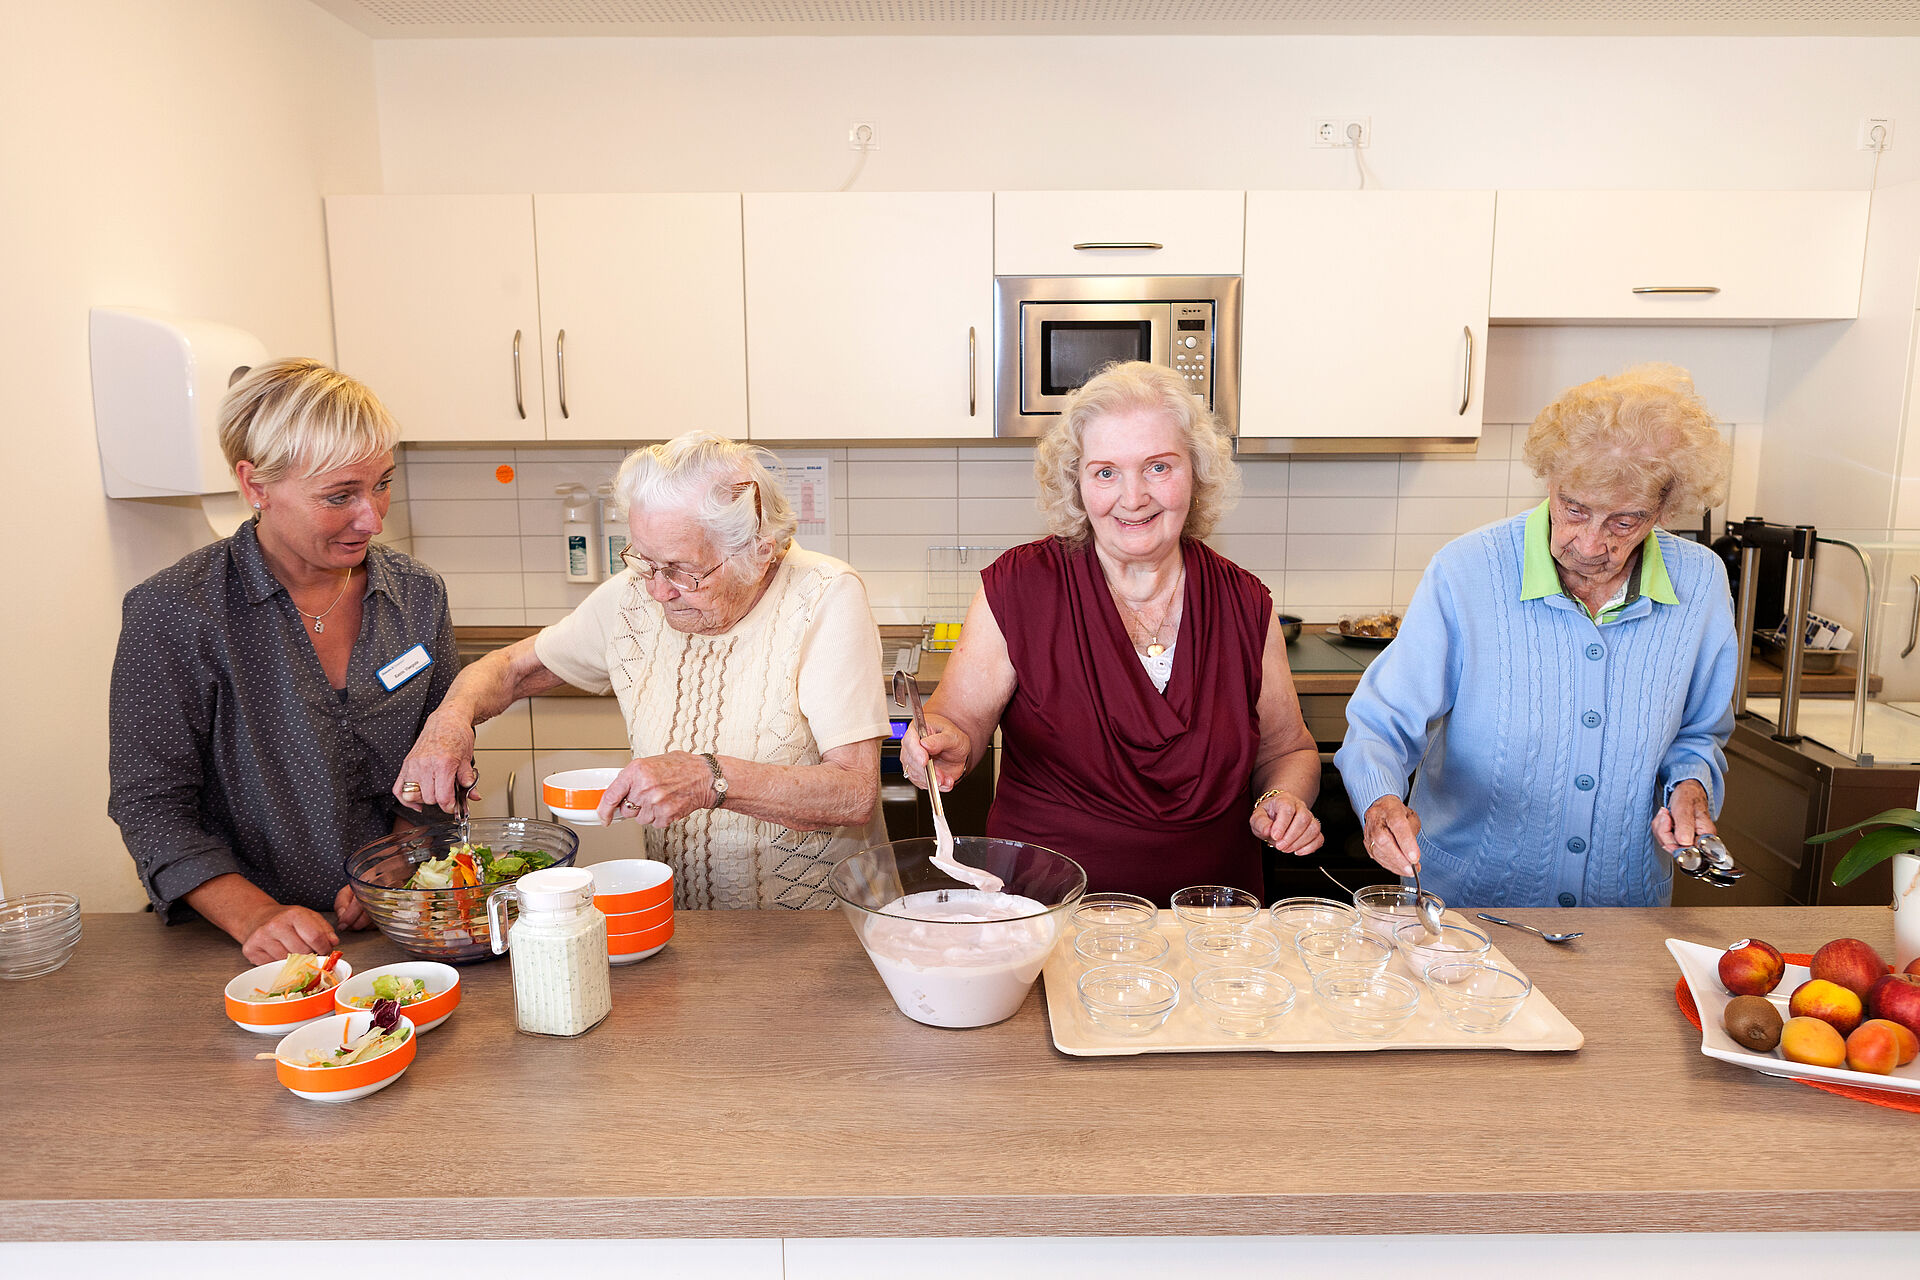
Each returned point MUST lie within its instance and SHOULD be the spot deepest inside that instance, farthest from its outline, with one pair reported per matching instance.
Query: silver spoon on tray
(907, 694)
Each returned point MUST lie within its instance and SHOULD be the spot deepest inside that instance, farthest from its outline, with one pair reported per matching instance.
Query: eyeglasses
(646, 570)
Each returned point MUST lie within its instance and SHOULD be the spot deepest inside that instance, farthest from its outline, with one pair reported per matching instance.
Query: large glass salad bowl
(952, 955)
(448, 924)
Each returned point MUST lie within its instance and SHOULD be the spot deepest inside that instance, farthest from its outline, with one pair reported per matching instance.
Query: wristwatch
(719, 780)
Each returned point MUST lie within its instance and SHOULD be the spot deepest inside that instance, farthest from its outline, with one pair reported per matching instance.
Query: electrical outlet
(1869, 140)
(1338, 131)
(861, 137)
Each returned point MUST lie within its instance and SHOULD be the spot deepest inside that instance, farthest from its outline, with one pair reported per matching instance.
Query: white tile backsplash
(1327, 536)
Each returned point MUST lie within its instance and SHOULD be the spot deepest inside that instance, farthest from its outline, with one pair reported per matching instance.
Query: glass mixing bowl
(1242, 1001)
(1476, 996)
(943, 963)
(444, 924)
(1365, 1006)
(1452, 944)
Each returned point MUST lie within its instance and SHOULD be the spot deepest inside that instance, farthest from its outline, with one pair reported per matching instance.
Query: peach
(1813, 1042)
(1874, 1046)
(1751, 967)
(1913, 966)
(1906, 1044)
(1847, 962)
(1896, 997)
(1827, 1001)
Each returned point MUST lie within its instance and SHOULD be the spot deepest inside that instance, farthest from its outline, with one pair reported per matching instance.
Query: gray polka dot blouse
(230, 752)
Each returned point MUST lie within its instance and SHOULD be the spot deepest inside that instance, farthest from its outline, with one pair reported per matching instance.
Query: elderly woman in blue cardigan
(1560, 688)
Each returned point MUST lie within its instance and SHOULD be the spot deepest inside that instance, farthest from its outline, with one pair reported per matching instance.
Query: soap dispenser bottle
(614, 529)
(576, 528)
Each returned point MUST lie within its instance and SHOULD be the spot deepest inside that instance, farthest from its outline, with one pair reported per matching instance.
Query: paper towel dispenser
(157, 385)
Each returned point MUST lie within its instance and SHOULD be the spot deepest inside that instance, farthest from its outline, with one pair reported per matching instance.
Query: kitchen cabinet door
(1126, 233)
(435, 307)
(1364, 317)
(597, 844)
(1666, 257)
(507, 785)
(641, 307)
(869, 315)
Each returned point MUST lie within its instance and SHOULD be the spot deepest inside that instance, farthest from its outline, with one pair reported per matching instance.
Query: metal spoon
(1427, 906)
(907, 694)
(1515, 924)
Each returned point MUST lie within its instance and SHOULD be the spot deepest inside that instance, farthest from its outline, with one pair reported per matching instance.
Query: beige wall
(160, 155)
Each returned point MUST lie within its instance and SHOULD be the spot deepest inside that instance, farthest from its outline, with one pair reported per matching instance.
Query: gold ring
(410, 786)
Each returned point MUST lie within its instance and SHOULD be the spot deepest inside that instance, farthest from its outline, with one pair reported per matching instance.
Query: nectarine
(1896, 997)
(1848, 962)
(1751, 967)
(1828, 1001)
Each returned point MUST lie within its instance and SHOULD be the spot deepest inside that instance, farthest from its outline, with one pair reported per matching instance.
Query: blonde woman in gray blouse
(267, 686)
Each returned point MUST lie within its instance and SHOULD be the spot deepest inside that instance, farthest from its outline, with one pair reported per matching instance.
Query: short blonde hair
(1642, 432)
(301, 416)
(728, 487)
(1130, 388)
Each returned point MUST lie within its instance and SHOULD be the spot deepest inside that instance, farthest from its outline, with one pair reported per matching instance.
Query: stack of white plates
(38, 933)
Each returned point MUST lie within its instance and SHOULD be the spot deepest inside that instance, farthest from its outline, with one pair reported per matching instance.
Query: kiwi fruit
(1753, 1023)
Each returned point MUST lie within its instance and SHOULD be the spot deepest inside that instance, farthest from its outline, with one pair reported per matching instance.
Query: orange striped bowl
(574, 794)
(626, 886)
(443, 991)
(339, 1084)
(277, 1017)
(625, 948)
(638, 921)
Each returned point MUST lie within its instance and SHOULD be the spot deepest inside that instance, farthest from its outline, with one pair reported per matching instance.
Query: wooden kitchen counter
(754, 1079)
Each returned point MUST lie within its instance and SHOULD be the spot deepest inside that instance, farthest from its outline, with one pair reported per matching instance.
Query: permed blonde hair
(301, 416)
(729, 488)
(1643, 433)
(1131, 388)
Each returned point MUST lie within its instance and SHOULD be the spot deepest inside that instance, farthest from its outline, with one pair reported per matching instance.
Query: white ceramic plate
(1700, 966)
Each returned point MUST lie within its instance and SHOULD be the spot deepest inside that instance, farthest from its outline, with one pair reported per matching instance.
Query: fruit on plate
(1751, 967)
(1875, 1046)
(1813, 1042)
(1753, 1023)
(1913, 966)
(1848, 962)
(1828, 1001)
(1896, 997)
(1906, 1045)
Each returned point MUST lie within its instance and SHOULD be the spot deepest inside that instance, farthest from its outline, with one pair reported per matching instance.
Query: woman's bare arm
(482, 691)
(965, 710)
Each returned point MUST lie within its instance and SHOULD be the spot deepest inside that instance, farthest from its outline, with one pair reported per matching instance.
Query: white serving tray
(1700, 966)
(1538, 1027)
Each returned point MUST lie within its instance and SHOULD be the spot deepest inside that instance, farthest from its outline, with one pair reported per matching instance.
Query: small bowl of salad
(347, 1056)
(274, 998)
(426, 991)
(426, 887)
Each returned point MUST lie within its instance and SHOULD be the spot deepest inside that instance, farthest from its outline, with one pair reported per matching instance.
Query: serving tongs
(1707, 859)
(907, 693)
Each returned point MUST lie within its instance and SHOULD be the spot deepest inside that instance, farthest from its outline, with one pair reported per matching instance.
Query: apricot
(1830, 1002)
(1909, 1042)
(1848, 962)
(1751, 967)
(1875, 1047)
(1813, 1042)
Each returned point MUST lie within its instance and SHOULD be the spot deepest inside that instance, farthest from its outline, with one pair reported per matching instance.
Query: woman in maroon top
(1139, 679)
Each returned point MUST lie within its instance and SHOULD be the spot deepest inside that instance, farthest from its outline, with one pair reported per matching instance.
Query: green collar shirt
(1540, 576)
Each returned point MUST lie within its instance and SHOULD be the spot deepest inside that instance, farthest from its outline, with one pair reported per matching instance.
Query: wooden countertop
(754, 1079)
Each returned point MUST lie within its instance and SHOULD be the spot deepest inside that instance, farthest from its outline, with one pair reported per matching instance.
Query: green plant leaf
(1874, 848)
(1906, 818)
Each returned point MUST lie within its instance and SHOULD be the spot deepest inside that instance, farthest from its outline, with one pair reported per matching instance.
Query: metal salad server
(907, 694)
(1515, 924)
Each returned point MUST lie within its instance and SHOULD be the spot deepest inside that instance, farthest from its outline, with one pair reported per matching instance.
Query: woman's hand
(443, 753)
(1686, 818)
(946, 743)
(348, 911)
(1392, 833)
(1284, 821)
(659, 790)
(286, 930)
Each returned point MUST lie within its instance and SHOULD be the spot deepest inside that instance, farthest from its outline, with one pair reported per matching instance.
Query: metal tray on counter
(1539, 1027)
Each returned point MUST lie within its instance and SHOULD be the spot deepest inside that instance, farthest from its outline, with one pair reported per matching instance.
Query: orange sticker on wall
(503, 473)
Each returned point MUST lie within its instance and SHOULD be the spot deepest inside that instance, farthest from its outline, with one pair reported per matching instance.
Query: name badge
(405, 667)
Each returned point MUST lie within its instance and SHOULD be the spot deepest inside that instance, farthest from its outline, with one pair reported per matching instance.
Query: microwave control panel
(1192, 347)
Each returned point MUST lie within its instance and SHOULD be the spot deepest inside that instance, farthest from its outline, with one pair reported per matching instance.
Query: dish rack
(953, 577)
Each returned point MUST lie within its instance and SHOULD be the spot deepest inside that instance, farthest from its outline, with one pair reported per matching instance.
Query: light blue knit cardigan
(1544, 743)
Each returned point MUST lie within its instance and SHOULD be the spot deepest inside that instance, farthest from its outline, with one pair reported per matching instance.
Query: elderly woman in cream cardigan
(748, 673)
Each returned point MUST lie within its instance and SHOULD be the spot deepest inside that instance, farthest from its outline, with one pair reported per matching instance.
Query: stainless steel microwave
(1053, 333)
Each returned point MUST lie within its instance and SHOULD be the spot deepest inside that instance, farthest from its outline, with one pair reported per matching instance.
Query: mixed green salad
(384, 1034)
(476, 864)
(391, 986)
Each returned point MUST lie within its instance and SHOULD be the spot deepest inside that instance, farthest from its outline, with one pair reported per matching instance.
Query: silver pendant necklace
(318, 626)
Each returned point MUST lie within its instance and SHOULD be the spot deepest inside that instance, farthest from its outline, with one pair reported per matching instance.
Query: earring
(256, 506)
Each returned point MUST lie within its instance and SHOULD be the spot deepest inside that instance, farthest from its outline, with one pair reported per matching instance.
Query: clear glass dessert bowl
(952, 955)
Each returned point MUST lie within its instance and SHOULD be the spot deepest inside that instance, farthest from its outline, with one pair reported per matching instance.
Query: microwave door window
(1073, 351)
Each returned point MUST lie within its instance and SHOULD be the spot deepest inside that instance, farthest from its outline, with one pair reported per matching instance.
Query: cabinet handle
(1913, 624)
(1086, 245)
(560, 368)
(1676, 288)
(1466, 371)
(510, 778)
(973, 372)
(519, 400)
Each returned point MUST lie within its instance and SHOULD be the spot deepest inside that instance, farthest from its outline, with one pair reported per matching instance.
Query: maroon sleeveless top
(1148, 792)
